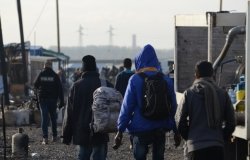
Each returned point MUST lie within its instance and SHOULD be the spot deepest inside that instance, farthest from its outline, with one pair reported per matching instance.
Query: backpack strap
(142, 75)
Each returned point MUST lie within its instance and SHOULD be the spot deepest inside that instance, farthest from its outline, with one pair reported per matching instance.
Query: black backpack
(156, 104)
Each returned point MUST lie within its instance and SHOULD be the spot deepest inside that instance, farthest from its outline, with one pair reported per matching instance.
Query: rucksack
(156, 104)
(106, 107)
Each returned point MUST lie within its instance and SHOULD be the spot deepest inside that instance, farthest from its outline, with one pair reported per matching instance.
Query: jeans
(142, 141)
(48, 108)
(97, 152)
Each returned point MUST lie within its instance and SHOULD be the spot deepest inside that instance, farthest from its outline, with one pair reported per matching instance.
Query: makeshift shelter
(35, 57)
(40, 51)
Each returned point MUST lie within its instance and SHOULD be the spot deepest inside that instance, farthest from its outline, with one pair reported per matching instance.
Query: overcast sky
(151, 20)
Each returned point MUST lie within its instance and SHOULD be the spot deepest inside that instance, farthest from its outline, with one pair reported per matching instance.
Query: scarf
(146, 69)
(212, 105)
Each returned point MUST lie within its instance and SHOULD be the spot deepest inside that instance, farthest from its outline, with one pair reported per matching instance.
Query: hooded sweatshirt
(130, 117)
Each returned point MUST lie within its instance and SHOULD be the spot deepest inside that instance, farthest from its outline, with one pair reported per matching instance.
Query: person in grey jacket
(205, 116)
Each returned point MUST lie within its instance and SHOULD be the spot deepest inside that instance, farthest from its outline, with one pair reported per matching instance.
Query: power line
(80, 35)
(37, 20)
(111, 34)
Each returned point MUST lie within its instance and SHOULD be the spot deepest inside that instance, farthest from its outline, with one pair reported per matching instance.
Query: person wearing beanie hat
(78, 114)
(88, 63)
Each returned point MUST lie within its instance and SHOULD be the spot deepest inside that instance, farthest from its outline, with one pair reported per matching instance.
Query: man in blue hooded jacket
(144, 131)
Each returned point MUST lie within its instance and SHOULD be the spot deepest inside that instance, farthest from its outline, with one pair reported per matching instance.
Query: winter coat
(49, 85)
(78, 113)
(122, 81)
(192, 123)
(130, 117)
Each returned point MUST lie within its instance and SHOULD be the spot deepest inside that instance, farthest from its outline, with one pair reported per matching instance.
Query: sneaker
(45, 141)
(54, 139)
(131, 147)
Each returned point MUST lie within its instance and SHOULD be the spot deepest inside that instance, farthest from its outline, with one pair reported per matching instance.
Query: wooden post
(22, 42)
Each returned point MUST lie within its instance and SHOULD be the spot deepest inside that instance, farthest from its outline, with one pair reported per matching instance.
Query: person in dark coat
(78, 115)
(123, 77)
(49, 89)
(205, 116)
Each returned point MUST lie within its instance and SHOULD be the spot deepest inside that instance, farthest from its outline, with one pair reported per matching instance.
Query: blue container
(241, 85)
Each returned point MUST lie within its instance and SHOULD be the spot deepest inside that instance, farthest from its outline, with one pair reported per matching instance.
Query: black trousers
(210, 153)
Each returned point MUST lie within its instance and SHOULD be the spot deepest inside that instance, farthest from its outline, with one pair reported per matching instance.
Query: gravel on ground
(59, 151)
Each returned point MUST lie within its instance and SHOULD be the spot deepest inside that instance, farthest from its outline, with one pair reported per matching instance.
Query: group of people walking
(198, 118)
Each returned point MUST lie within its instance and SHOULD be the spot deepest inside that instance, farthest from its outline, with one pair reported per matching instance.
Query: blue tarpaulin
(39, 51)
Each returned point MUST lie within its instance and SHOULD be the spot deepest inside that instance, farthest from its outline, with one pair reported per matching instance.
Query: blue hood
(146, 58)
